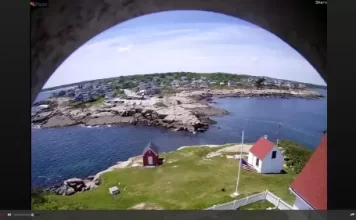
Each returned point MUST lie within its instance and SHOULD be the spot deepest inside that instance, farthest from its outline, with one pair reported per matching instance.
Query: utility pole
(240, 163)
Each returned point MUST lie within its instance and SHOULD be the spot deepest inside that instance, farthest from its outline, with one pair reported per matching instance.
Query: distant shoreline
(128, 77)
(184, 111)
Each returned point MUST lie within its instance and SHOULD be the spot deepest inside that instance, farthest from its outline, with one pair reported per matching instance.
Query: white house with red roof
(310, 186)
(265, 157)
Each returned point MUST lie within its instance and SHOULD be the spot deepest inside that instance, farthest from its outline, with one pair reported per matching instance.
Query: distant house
(195, 83)
(287, 85)
(110, 95)
(310, 186)
(61, 93)
(150, 155)
(154, 91)
(176, 83)
(203, 84)
(301, 86)
(87, 86)
(278, 83)
(144, 85)
(230, 83)
(151, 91)
(265, 156)
(183, 78)
(71, 92)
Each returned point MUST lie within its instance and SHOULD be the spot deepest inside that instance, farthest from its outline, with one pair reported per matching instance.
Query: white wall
(252, 160)
(273, 165)
(269, 165)
(300, 204)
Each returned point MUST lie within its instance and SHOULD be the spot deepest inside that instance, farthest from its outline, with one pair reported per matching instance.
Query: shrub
(297, 155)
(37, 197)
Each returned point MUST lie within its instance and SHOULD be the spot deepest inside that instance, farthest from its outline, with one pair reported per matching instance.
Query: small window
(257, 161)
(274, 154)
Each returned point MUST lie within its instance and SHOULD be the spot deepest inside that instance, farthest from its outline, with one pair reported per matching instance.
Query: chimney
(265, 136)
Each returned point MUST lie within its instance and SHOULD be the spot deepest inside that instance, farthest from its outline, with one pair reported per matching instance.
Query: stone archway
(62, 28)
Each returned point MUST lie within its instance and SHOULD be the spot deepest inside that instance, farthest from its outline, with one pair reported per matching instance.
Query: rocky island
(181, 111)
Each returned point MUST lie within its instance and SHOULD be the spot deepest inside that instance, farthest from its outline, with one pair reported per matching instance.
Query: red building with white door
(150, 155)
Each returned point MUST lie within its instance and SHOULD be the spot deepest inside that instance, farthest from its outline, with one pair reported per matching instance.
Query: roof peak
(262, 147)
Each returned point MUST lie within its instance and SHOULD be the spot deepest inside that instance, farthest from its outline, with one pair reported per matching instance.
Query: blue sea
(61, 153)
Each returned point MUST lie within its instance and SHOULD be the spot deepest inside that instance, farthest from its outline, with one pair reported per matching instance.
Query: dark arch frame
(59, 30)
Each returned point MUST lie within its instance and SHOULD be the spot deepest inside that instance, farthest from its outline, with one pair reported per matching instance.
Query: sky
(184, 41)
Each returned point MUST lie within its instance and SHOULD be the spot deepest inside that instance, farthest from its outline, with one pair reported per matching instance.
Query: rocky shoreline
(74, 185)
(184, 111)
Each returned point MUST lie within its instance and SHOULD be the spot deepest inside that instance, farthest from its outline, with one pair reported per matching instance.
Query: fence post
(279, 200)
(235, 204)
(247, 200)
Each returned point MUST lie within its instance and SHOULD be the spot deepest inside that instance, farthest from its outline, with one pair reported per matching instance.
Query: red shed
(150, 155)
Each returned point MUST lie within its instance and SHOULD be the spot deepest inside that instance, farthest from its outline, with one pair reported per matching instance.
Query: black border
(15, 150)
(341, 67)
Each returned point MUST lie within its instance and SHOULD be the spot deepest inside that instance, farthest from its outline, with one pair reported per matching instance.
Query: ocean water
(61, 153)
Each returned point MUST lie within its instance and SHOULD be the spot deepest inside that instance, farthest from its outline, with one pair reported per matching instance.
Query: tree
(259, 82)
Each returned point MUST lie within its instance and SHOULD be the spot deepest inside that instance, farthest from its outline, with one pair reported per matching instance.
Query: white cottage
(265, 157)
(310, 186)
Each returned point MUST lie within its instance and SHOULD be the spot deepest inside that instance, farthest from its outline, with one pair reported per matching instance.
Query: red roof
(261, 148)
(310, 184)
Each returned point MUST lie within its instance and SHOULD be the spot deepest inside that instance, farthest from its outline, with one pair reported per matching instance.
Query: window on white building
(274, 154)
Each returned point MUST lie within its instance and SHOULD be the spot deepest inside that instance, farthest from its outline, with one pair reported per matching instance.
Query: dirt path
(236, 148)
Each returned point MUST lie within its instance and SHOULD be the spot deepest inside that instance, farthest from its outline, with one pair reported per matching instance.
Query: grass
(260, 205)
(89, 104)
(184, 181)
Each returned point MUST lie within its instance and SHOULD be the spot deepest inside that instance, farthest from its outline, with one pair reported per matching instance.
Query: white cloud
(197, 48)
(122, 49)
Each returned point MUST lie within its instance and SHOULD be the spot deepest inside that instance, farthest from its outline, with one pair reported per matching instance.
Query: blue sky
(193, 41)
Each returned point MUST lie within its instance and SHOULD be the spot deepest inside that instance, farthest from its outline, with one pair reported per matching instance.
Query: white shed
(265, 157)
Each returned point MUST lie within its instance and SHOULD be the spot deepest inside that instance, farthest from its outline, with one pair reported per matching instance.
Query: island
(177, 101)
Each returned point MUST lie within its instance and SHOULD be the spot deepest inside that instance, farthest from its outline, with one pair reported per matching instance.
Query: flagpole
(239, 170)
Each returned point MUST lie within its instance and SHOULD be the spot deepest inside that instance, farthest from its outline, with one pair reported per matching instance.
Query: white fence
(233, 205)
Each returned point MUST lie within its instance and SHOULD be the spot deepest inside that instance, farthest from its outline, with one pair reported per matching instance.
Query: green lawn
(260, 205)
(184, 181)
(89, 104)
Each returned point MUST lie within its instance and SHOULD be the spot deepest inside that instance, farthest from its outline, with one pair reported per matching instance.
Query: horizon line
(179, 72)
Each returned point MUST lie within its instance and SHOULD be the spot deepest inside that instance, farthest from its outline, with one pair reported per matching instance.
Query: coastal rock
(59, 121)
(147, 111)
(69, 191)
(91, 177)
(97, 180)
(39, 118)
(108, 120)
(90, 185)
(102, 114)
(77, 114)
(209, 111)
(72, 180)
(61, 190)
